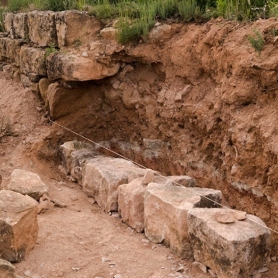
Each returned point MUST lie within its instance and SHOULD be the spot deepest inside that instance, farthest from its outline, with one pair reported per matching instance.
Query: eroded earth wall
(192, 99)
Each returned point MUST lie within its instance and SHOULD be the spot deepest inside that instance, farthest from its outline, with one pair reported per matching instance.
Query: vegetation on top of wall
(137, 17)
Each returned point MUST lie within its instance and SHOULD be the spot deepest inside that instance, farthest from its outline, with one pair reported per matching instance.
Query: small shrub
(49, 50)
(257, 41)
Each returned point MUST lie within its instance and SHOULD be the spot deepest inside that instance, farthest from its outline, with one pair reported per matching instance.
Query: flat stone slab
(18, 225)
(231, 250)
(165, 213)
(27, 183)
(101, 177)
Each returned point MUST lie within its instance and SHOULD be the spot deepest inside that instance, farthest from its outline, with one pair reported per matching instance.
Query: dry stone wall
(189, 220)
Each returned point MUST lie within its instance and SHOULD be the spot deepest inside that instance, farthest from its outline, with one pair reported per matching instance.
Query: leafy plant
(257, 41)
(49, 50)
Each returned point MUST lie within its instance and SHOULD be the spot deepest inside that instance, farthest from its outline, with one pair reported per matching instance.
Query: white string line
(157, 173)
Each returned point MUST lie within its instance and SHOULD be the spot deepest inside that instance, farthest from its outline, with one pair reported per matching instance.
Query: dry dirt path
(77, 240)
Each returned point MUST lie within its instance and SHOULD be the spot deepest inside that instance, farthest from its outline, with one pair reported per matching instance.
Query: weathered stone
(19, 226)
(32, 60)
(109, 33)
(185, 181)
(43, 86)
(73, 25)
(131, 204)
(7, 270)
(68, 148)
(20, 26)
(10, 50)
(103, 175)
(42, 30)
(165, 213)
(78, 158)
(160, 33)
(148, 177)
(77, 99)
(230, 250)
(8, 22)
(76, 68)
(27, 183)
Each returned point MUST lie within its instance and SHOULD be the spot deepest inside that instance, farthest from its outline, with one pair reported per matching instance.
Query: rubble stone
(7, 270)
(232, 250)
(165, 213)
(20, 26)
(19, 226)
(27, 183)
(103, 175)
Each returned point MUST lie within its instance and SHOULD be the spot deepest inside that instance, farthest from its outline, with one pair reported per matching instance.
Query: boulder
(160, 33)
(101, 177)
(73, 26)
(19, 226)
(10, 50)
(231, 250)
(27, 183)
(7, 270)
(32, 60)
(42, 29)
(165, 213)
(71, 67)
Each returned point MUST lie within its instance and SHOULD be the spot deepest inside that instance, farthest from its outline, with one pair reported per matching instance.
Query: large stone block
(8, 22)
(75, 68)
(10, 50)
(18, 225)
(231, 250)
(7, 270)
(32, 61)
(103, 175)
(131, 197)
(165, 213)
(73, 26)
(42, 29)
(131, 204)
(20, 26)
(27, 183)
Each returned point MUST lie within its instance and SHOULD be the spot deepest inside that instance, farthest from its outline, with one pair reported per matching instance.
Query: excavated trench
(189, 99)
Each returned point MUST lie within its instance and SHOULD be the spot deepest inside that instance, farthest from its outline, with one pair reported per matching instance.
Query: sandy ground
(77, 239)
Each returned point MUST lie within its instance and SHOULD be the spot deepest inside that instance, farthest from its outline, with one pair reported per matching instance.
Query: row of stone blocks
(172, 211)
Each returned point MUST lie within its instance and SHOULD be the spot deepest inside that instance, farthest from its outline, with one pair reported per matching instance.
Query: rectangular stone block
(8, 22)
(42, 29)
(20, 26)
(165, 213)
(101, 177)
(32, 61)
(18, 225)
(74, 27)
(231, 250)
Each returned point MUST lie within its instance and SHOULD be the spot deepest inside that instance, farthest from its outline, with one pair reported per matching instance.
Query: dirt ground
(77, 239)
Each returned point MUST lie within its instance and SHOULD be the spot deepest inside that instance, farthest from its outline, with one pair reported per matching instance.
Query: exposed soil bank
(194, 99)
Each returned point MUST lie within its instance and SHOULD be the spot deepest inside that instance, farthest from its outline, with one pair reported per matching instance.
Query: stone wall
(194, 99)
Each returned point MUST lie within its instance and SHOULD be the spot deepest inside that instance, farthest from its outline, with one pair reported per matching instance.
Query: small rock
(92, 200)
(118, 276)
(273, 259)
(263, 269)
(240, 215)
(257, 275)
(200, 266)
(84, 54)
(180, 268)
(212, 274)
(104, 259)
(225, 217)
(75, 268)
(27, 273)
(62, 170)
(148, 177)
(6, 269)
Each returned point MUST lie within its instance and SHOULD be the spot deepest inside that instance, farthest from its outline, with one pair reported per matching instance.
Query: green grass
(137, 17)
(257, 41)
